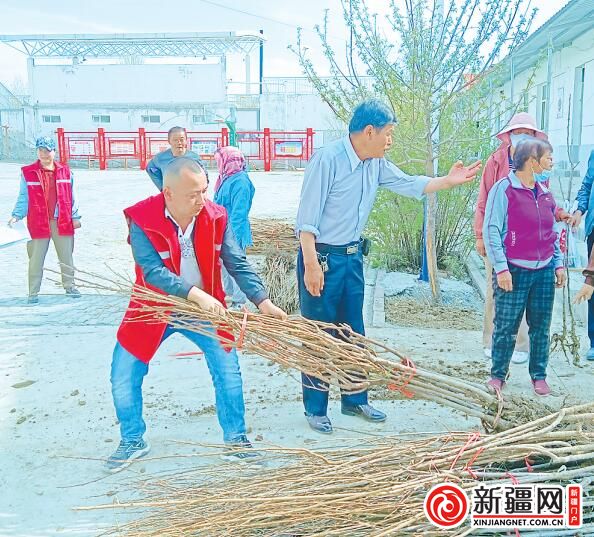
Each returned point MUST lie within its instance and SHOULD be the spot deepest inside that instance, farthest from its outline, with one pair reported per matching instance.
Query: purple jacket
(519, 228)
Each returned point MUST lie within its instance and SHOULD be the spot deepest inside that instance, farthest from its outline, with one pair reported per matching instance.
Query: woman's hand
(76, 224)
(575, 220)
(560, 277)
(12, 221)
(585, 293)
(480, 247)
(504, 280)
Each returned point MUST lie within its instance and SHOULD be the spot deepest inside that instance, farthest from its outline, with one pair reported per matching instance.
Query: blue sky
(278, 19)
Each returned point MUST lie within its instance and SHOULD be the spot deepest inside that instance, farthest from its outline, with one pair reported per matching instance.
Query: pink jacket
(496, 168)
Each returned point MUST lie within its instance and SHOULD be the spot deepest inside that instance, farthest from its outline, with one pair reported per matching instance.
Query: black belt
(348, 249)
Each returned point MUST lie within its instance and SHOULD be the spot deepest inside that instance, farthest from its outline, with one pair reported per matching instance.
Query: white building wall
(563, 73)
(192, 96)
(123, 83)
(82, 118)
(299, 112)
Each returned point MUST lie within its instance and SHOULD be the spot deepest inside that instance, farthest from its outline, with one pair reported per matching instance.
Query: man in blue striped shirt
(339, 189)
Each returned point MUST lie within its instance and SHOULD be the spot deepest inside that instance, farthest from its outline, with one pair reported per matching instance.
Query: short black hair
(530, 148)
(371, 112)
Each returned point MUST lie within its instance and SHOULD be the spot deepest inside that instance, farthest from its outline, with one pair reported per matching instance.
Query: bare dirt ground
(409, 312)
(57, 423)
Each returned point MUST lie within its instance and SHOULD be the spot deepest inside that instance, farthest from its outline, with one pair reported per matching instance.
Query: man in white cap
(499, 164)
(46, 198)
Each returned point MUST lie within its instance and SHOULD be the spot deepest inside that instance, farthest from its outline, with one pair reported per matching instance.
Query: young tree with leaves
(431, 65)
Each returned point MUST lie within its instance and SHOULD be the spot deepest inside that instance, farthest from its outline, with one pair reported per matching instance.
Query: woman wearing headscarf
(523, 248)
(235, 191)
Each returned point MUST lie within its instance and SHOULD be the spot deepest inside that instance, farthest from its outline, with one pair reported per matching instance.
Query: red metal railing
(266, 146)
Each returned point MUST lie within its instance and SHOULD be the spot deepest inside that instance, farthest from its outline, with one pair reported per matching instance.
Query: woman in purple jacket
(523, 247)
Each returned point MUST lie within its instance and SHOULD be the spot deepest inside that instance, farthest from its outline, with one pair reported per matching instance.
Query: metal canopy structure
(126, 45)
(576, 18)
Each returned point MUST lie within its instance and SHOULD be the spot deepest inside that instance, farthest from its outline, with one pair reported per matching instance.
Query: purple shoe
(541, 387)
(495, 385)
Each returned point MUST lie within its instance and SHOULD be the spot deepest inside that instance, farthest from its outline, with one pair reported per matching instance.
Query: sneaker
(590, 354)
(487, 352)
(73, 292)
(320, 424)
(495, 385)
(241, 450)
(125, 454)
(33, 299)
(367, 412)
(520, 357)
(541, 387)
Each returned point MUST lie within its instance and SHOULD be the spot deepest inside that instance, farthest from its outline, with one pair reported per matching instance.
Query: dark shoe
(125, 454)
(366, 412)
(241, 450)
(33, 299)
(320, 424)
(73, 292)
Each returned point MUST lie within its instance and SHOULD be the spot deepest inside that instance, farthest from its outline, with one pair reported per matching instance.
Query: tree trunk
(430, 235)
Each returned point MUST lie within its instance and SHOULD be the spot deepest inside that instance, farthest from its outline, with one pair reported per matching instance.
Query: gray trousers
(37, 250)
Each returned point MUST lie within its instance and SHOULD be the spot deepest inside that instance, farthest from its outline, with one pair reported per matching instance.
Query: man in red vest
(46, 198)
(180, 240)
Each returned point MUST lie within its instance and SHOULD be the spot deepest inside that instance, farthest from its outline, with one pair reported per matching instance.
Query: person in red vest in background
(46, 198)
(179, 241)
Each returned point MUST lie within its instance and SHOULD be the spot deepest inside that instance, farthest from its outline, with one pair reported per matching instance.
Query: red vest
(37, 217)
(140, 334)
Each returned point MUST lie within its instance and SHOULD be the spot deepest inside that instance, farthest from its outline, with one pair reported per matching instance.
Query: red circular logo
(446, 505)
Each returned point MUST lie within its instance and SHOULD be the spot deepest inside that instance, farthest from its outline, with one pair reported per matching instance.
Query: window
(202, 115)
(51, 119)
(151, 119)
(542, 107)
(101, 119)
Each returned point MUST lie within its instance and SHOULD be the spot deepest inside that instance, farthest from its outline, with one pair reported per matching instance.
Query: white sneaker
(519, 357)
(487, 352)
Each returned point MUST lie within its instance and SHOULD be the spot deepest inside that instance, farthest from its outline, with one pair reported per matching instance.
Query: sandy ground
(57, 422)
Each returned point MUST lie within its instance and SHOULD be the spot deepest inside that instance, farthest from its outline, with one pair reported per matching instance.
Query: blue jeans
(341, 301)
(127, 374)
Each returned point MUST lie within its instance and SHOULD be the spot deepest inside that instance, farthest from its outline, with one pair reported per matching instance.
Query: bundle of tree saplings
(334, 354)
(280, 279)
(272, 235)
(366, 488)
